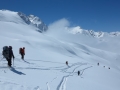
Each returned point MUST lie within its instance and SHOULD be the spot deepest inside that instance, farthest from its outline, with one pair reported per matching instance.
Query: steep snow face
(24, 17)
(35, 21)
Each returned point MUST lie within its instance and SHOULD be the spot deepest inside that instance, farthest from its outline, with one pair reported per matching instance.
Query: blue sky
(97, 15)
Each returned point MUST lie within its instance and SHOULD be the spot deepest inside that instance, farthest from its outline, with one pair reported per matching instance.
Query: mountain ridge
(37, 22)
(7, 15)
(99, 34)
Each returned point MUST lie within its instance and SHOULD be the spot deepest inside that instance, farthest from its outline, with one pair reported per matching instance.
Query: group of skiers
(8, 54)
(103, 66)
(67, 65)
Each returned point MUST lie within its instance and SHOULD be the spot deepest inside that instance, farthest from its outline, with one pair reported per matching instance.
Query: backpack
(6, 52)
(20, 50)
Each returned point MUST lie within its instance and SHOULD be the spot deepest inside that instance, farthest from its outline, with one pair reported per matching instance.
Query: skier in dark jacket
(10, 56)
(5, 52)
(78, 73)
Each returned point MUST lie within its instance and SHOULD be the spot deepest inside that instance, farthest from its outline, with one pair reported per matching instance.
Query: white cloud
(59, 25)
(62, 26)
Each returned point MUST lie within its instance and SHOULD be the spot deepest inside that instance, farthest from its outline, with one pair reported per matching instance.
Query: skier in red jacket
(22, 52)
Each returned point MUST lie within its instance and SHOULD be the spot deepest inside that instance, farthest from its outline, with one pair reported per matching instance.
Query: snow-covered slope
(44, 66)
(10, 16)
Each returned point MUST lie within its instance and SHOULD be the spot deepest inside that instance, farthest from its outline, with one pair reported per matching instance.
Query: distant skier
(98, 64)
(22, 52)
(67, 63)
(78, 73)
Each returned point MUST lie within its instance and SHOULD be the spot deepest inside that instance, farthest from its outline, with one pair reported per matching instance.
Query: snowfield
(44, 66)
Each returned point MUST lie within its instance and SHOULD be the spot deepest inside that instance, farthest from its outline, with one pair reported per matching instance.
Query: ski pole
(13, 61)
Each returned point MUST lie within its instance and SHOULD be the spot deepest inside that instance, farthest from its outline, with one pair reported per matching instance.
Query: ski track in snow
(36, 88)
(7, 85)
(48, 88)
(62, 84)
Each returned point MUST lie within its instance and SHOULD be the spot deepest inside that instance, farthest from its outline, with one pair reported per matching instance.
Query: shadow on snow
(17, 72)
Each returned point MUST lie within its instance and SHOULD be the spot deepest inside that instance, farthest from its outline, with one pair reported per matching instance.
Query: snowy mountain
(78, 30)
(35, 21)
(44, 67)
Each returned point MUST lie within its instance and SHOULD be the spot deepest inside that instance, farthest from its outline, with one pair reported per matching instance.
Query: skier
(98, 64)
(22, 52)
(10, 56)
(5, 52)
(78, 73)
(67, 63)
